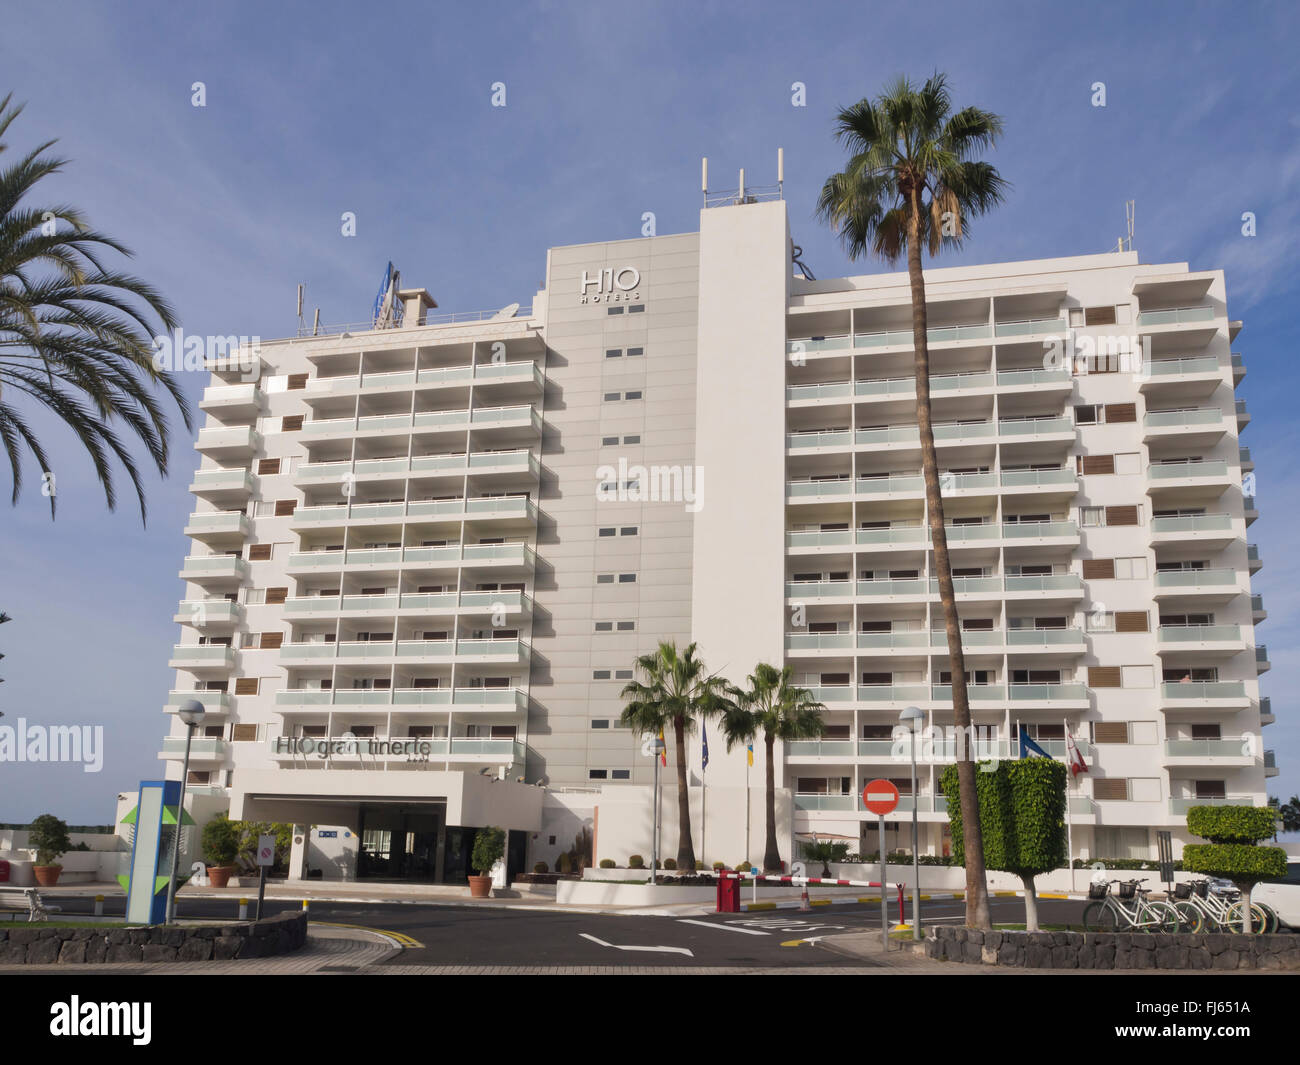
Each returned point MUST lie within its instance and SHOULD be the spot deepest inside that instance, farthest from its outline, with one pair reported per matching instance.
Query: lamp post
(912, 717)
(191, 712)
(659, 747)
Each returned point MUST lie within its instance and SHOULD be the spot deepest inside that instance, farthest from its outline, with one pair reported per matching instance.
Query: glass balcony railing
(818, 641)
(1241, 747)
(1029, 327)
(1195, 578)
(1038, 530)
(1163, 471)
(196, 566)
(205, 653)
(814, 344)
(1058, 475)
(804, 489)
(898, 534)
(1019, 378)
(213, 702)
(1176, 316)
(1069, 637)
(883, 693)
(974, 692)
(200, 746)
(964, 533)
(825, 802)
(1045, 692)
(828, 438)
(819, 749)
(838, 538)
(1179, 367)
(900, 586)
(1180, 806)
(897, 434)
(961, 482)
(869, 641)
(867, 486)
(962, 430)
(956, 381)
(828, 390)
(1199, 689)
(1198, 633)
(969, 585)
(818, 589)
(1048, 582)
(216, 480)
(1164, 419)
(1034, 426)
(969, 638)
(208, 611)
(1192, 523)
(890, 386)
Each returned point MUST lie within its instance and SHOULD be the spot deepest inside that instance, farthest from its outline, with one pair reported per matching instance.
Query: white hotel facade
(420, 573)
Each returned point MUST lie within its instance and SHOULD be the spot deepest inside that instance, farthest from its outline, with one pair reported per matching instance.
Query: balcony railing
(1172, 367)
(1199, 633)
(1163, 471)
(1194, 578)
(1017, 378)
(1059, 475)
(1038, 530)
(1240, 747)
(1046, 692)
(1191, 523)
(1201, 689)
(1029, 327)
(1160, 419)
(1181, 806)
(1034, 426)
(1176, 316)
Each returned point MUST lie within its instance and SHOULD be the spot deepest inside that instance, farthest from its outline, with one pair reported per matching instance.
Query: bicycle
(1199, 908)
(1132, 908)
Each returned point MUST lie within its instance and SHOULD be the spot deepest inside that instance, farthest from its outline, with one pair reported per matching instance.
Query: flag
(1028, 746)
(749, 753)
(1072, 756)
(704, 764)
(663, 749)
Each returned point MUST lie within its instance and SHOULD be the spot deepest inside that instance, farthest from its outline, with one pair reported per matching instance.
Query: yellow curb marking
(403, 939)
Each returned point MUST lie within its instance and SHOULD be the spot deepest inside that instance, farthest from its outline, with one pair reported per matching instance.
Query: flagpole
(704, 798)
(1069, 828)
(747, 757)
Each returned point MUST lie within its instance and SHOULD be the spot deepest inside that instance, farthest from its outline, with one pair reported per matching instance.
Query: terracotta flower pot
(480, 887)
(47, 875)
(219, 875)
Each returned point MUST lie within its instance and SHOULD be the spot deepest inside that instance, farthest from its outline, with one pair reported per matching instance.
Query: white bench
(26, 900)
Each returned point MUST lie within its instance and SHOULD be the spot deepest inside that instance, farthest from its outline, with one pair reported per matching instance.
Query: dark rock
(25, 935)
(97, 949)
(123, 952)
(118, 936)
(1172, 957)
(13, 953)
(44, 951)
(194, 949)
(993, 939)
(1217, 942)
(225, 948)
(1038, 956)
(140, 936)
(1226, 959)
(72, 952)
(972, 951)
(1065, 956)
(158, 952)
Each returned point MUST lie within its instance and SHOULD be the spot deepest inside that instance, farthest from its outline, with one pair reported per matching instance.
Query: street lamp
(913, 718)
(659, 747)
(191, 712)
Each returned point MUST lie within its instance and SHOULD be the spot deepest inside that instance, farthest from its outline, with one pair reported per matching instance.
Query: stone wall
(1113, 950)
(39, 944)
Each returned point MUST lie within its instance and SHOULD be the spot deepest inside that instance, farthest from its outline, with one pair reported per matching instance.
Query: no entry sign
(880, 797)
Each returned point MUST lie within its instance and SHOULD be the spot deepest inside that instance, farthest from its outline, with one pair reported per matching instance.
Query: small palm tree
(1289, 814)
(912, 184)
(776, 709)
(677, 691)
(75, 334)
(824, 851)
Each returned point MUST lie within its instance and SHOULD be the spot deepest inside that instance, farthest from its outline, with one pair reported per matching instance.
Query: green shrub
(489, 848)
(670, 863)
(1232, 824)
(1235, 861)
(49, 839)
(636, 862)
(540, 867)
(744, 867)
(719, 865)
(564, 865)
(607, 863)
(221, 838)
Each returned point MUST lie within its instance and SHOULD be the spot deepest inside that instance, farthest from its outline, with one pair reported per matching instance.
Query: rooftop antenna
(780, 172)
(1125, 243)
(741, 197)
(704, 179)
(302, 325)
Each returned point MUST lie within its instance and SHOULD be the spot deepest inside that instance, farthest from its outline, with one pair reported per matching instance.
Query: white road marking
(659, 950)
(724, 927)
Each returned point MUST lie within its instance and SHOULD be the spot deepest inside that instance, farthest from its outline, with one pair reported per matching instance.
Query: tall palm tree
(773, 707)
(912, 184)
(677, 691)
(75, 335)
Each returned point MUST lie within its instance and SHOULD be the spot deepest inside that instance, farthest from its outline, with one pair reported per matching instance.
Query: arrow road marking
(659, 950)
(724, 927)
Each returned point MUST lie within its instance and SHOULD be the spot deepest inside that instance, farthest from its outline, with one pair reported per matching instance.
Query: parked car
(1284, 898)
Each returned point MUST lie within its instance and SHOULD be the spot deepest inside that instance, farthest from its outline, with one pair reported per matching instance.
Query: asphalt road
(461, 935)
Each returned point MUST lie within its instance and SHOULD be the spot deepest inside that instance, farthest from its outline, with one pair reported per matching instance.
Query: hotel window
(604, 578)
(613, 397)
(604, 626)
(622, 674)
(614, 353)
(600, 722)
(596, 774)
(627, 578)
(625, 626)
(634, 438)
(613, 310)
(634, 352)
(607, 531)
(633, 395)
(609, 441)
(628, 530)
(1087, 415)
(600, 674)
(621, 774)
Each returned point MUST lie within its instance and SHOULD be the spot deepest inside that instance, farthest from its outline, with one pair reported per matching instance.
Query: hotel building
(425, 556)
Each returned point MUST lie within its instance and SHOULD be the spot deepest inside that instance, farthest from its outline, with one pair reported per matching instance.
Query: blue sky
(317, 109)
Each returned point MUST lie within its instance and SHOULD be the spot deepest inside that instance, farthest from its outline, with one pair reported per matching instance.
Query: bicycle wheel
(1100, 917)
(1190, 919)
(1232, 921)
(1272, 922)
(1167, 917)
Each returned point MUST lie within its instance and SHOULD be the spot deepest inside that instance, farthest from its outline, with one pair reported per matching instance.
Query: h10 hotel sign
(610, 285)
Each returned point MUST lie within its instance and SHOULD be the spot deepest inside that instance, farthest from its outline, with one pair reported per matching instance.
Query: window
(243, 733)
(613, 397)
(285, 507)
(621, 774)
(1098, 316)
(598, 774)
(614, 353)
(291, 423)
(602, 722)
(1092, 516)
(612, 310)
(259, 553)
(1121, 412)
(1131, 569)
(604, 578)
(1110, 790)
(608, 531)
(1103, 677)
(297, 381)
(628, 530)
(638, 308)
(627, 578)
(266, 467)
(634, 438)
(245, 685)
(1088, 415)
(634, 352)
(1093, 464)
(600, 674)
(609, 441)
(632, 395)
(626, 626)
(604, 626)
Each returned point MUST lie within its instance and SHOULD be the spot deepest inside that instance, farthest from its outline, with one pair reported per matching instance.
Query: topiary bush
(541, 867)
(563, 865)
(489, 848)
(49, 839)
(670, 863)
(221, 839)
(744, 867)
(636, 862)
(1231, 853)
(719, 865)
(607, 863)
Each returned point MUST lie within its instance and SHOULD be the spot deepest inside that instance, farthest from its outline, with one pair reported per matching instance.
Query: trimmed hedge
(1232, 824)
(1235, 861)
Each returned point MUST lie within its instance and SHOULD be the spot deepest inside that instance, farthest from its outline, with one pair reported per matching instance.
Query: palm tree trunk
(771, 852)
(685, 845)
(977, 903)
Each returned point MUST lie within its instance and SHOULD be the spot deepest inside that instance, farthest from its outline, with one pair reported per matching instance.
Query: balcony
(1211, 530)
(894, 486)
(802, 591)
(820, 440)
(1030, 327)
(1262, 664)
(208, 613)
(1266, 710)
(1191, 695)
(1257, 611)
(888, 693)
(1205, 479)
(797, 395)
(1195, 376)
(885, 437)
(814, 540)
(1180, 806)
(956, 433)
(1200, 639)
(214, 569)
(815, 642)
(202, 749)
(1270, 764)
(1038, 380)
(218, 527)
(481, 508)
(1022, 533)
(219, 485)
(213, 702)
(1035, 428)
(1243, 456)
(1224, 752)
(1243, 415)
(1073, 696)
(971, 640)
(960, 382)
(510, 555)
(1195, 426)
(228, 444)
(1060, 481)
(1253, 561)
(806, 803)
(1067, 586)
(816, 491)
(231, 401)
(1218, 584)
(975, 693)
(885, 388)
(937, 335)
(1057, 640)
(1175, 316)
(812, 345)
(201, 657)
(897, 536)
(892, 589)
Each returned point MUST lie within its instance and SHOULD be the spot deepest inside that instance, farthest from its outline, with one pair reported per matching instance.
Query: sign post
(265, 859)
(880, 797)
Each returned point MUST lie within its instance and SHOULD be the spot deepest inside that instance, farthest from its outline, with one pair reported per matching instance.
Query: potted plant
(221, 839)
(48, 837)
(489, 848)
